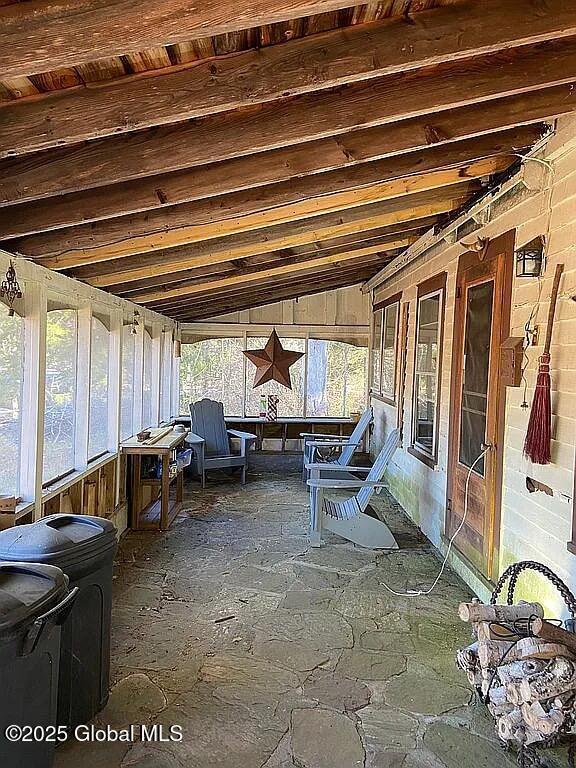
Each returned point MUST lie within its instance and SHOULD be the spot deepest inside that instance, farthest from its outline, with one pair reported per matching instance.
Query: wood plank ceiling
(202, 158)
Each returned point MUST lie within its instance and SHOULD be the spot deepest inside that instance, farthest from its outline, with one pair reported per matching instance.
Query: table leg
(165, 500)
(136, 495)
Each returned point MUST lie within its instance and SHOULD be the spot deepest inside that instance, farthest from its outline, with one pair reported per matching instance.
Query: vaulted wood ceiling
(210, 157)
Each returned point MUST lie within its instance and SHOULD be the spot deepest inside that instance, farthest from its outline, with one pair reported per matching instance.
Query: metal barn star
(273, 362)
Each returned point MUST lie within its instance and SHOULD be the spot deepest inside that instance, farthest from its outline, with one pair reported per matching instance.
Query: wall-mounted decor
(273, 362)
(10, 288)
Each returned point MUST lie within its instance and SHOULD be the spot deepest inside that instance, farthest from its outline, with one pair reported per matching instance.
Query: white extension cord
(420, 592)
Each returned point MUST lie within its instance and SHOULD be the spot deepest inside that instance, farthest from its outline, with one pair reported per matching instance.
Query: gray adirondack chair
(315, 443)
(210, 440)
(345, 516)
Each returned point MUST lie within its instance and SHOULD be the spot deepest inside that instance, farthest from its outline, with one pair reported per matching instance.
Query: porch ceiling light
(529, 258)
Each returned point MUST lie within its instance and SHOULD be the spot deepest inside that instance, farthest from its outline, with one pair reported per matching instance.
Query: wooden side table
(155, 501)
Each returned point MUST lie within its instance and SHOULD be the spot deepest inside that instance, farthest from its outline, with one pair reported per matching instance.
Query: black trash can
(34, 600)
(84, 548)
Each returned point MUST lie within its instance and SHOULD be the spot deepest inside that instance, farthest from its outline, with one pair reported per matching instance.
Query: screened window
(213, 368)
(147, 381)
(11, 364)
(60, 405)
(427, 371)
(389, 349)
(99, 360)
(127, 396)
(290, 402)
(336, 383)
(376, 350)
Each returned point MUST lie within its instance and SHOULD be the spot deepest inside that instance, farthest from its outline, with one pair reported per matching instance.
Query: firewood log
(558, 677)
(467, 658)
(547, 723)
(514, 692)
(517, 670)
(554, 634)
(492, 652)
(476, 611)
(475, 678)
(510, 727)
(498, 704)
(536, 648)
(532, 736)
(486, 630)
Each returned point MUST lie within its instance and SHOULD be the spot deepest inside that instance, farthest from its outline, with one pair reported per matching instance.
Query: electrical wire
(421, 592)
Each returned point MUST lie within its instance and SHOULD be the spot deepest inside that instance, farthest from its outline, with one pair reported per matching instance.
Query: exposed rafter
(320, 61)
(419, 94)
(390, 206)
(248, 173)
(360, 223)
(37, 36)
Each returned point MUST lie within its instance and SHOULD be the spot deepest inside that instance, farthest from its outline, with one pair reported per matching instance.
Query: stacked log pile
(524, 668)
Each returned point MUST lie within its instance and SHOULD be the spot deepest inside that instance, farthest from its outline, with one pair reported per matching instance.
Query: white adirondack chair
(210, 440)
(315, 443)
(346, 516)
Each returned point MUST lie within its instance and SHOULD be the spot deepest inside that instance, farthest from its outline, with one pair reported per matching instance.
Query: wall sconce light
(529, 258)
(10, 289)
(135, 322)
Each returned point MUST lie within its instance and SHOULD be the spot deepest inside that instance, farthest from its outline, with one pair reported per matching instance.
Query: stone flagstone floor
(271, 654)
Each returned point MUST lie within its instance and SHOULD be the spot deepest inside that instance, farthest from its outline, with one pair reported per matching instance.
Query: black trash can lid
(56, 536)
(27, 590)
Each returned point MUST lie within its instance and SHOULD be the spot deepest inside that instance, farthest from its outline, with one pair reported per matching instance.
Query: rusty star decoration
(273, 362)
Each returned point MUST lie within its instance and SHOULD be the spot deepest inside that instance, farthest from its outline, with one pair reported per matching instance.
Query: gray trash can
(84, 548)
(34, 600)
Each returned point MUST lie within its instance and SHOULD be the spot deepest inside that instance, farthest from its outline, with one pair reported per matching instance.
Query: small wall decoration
(10, 289)
(273, 362)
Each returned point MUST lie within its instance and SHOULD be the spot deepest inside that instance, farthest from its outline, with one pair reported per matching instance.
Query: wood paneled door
(481, 324)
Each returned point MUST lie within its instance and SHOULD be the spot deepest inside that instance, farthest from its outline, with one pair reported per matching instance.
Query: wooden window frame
(382, 306)
(435, 285)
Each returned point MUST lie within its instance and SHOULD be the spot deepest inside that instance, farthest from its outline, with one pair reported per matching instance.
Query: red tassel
(539, 434)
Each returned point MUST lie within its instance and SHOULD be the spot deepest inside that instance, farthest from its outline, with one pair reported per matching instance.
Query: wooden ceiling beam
(256, 274)
(38, 36)
(194, 311)
(221, 216)
(358, 223)
(293, 287)
(246, 173)
(421, 95)
(239, 281)
(308, 64)
(360, 240)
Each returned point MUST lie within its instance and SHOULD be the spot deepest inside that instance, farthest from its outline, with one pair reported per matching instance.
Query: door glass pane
(475, 377)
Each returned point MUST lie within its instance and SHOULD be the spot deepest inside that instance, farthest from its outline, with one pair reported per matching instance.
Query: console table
(284, 427)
